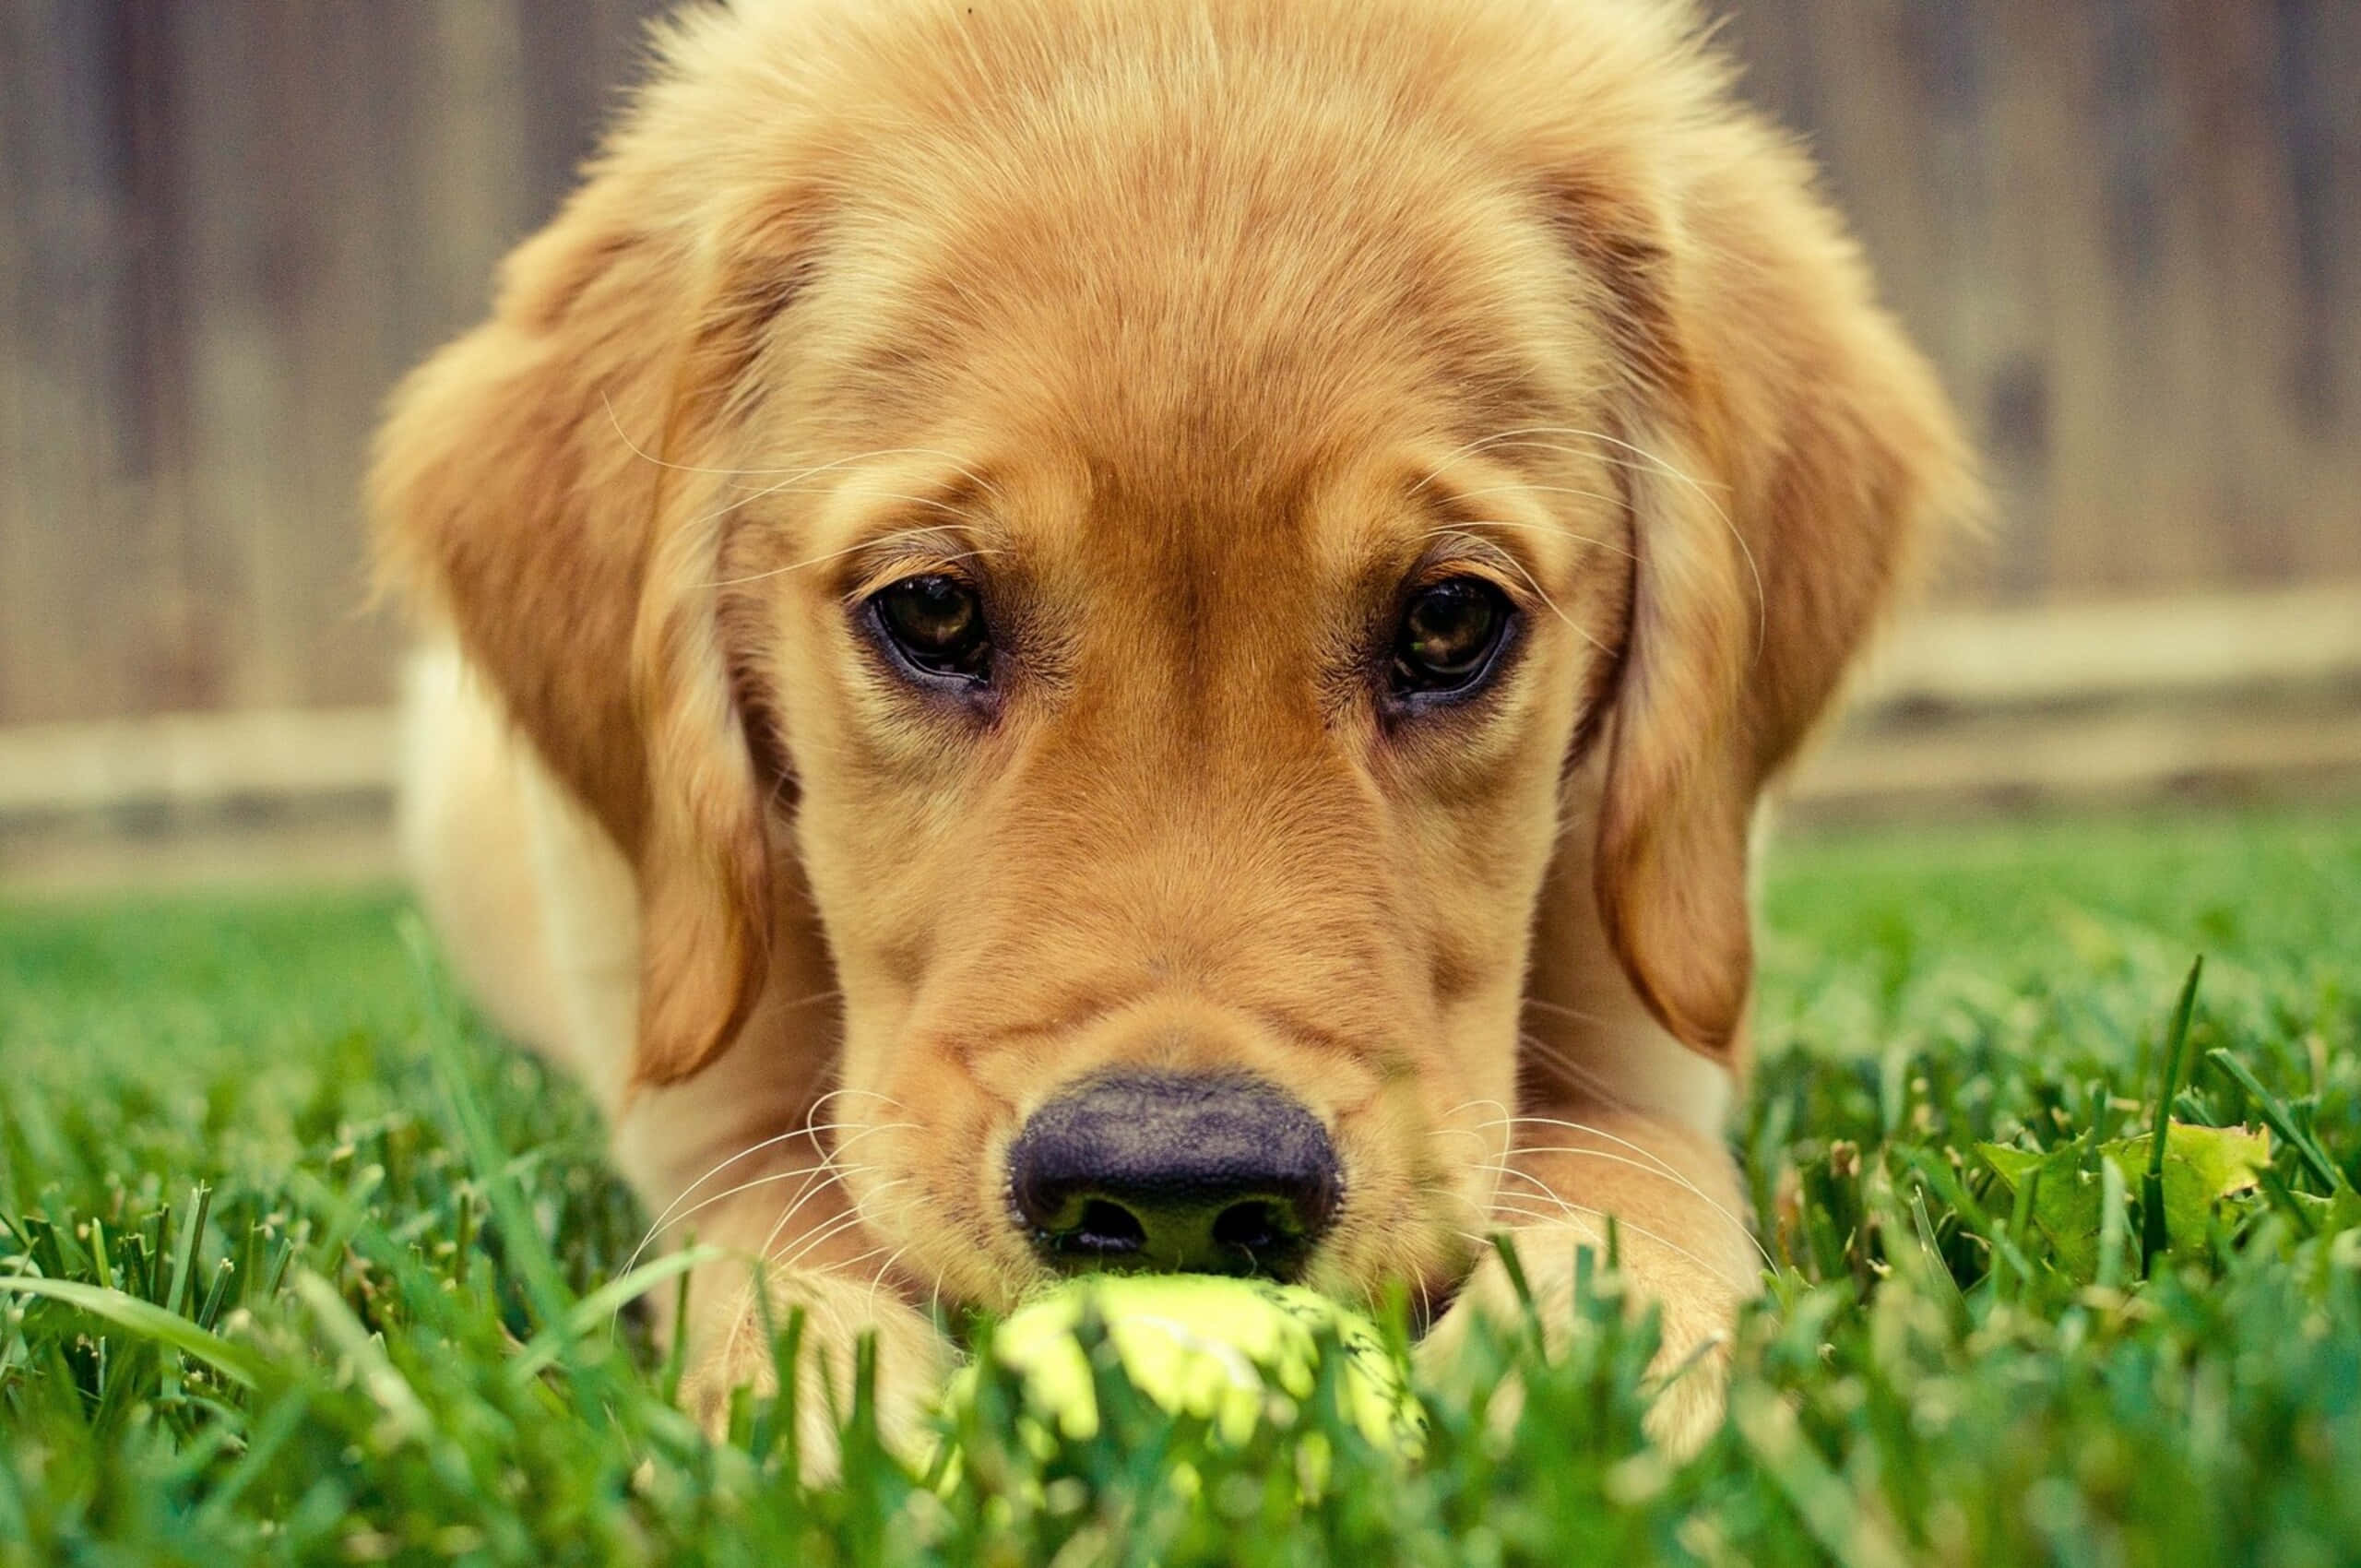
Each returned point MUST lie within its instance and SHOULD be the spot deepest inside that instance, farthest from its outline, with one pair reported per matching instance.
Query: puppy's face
(1170, 522)
(1176, 682)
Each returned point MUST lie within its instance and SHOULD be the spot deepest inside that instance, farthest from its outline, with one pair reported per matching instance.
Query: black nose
(1174, 1174)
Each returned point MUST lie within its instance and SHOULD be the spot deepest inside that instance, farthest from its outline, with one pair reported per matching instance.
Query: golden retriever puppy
(1077, 633)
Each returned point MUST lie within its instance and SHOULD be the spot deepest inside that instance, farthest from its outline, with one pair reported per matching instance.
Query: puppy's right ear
(547, 486)
(507, 498)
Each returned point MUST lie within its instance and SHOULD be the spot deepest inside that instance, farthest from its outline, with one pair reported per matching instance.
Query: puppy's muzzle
(1176, 1174)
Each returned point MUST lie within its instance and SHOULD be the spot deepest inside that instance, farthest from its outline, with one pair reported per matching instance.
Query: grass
(321, 1273)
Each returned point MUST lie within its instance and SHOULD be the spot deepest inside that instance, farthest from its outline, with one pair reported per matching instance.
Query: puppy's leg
(1681, 1235)
(1618, 1118)
(736, 1158)
(819, 1264)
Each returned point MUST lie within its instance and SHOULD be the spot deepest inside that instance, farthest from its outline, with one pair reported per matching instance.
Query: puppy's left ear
(1786, 452)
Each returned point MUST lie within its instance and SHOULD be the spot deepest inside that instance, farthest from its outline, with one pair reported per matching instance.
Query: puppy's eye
(937, 623)
(1448, 634)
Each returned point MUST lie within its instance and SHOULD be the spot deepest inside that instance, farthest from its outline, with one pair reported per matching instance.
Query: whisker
(841, 1182)
(889, 1101)
(817, 1238)
(877, 1275)
(1578, 1015)
(671, 1212)
(1515, 1121)
(843, 1266)
(827, 1165)
(1662, 1165)
(839, 1173)
(805, 1240)
(854, 596)
(1623, 1223)
(664, 1218)
(1532, 436)
(724, 1196)
(1497, 1162)
(820, 560)
(1673, 1177)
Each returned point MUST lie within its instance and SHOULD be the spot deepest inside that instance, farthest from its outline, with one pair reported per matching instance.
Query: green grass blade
(2153, 1234)
(149, 1321)
(1828, 1507)
(583, 1317)
(2113, 1202)
(521, 1235)
(407, 1417)
(192, 1234)
(200, 1200)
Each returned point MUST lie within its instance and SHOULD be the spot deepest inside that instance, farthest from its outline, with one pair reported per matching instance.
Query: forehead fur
(1148, 225)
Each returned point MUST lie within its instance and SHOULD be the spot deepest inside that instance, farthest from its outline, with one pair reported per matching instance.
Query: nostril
(1108, 1229)
(1253, 1228)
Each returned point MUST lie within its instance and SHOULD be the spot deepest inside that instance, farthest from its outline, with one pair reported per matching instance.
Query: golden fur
(1193, 331)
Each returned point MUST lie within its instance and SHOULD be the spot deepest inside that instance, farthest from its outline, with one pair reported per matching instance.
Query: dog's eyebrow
(873, 563)
(1527, 510)
(1462, 545)
(1453, 545)
(1550, 531)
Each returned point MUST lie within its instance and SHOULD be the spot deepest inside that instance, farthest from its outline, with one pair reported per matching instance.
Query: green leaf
(2066, 1202)
(2013, 1165)
(2201, 1165)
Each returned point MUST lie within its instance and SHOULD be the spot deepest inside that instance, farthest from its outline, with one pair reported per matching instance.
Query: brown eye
(936, 622)
(1448, 634)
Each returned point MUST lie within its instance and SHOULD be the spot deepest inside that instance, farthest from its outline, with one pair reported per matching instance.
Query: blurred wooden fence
(2129, 230)
(228, 226)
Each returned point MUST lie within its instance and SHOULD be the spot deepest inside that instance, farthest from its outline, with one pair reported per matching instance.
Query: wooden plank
(2019, 759)
(1994, 658)
(464, 194)
(78, 548)
(333, 847)
(196, 760)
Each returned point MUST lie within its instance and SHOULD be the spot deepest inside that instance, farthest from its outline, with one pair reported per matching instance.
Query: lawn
(325, 1266)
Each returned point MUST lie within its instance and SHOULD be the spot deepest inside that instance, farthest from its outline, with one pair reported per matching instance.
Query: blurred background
(2128, 231)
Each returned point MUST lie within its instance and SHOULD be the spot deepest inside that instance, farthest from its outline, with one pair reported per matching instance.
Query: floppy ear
(1785, 450)
(541, 484)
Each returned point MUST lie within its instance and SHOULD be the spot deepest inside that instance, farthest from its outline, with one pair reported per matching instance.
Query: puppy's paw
(734, 1352)
(1443, 1359)
(1694, 1357)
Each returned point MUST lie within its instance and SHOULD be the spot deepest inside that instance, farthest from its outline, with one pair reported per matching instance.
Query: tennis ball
(1235, 1352)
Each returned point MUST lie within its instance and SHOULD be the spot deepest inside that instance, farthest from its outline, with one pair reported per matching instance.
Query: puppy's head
(1168, 521)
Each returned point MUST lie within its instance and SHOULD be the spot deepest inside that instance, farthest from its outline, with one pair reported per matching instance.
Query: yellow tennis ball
(1238, 1352)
